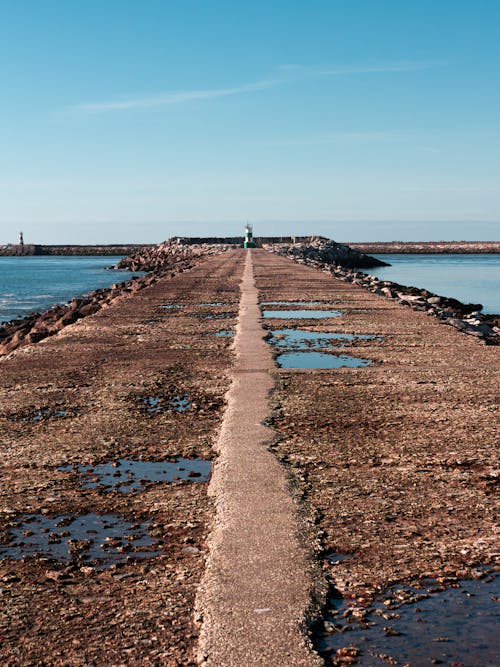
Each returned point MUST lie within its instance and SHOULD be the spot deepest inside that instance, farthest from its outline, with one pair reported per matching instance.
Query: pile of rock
(465, 317)
(163, 257)
(321, 249)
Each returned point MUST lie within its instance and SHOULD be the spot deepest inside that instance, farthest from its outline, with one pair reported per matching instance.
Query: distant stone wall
(430, 247)
(238, 240)
(35, 250)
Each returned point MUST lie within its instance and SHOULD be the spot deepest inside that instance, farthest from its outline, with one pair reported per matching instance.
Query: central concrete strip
(258, 583)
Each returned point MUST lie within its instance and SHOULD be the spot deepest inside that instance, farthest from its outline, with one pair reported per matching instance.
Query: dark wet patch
(435, 625)
(210, 304)
(98, 539)
(333, 557)
(225, 333)
(153, 405)
(300, 314)
(291, 303)
(319, 360)
(298, 339)
(213, 316)
(45, 414)
(128, 476)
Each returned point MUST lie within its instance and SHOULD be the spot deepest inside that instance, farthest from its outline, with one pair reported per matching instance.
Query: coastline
(428, 247)
(175, 256)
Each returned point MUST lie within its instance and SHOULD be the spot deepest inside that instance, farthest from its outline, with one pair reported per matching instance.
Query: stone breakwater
(166, 259)
(465, 317)
(430, 247)
(30, 249)
(160, 258)
(324, 250)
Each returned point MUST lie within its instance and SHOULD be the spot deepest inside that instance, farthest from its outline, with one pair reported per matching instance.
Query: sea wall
(429, 247)
(465, 317)
(30, 249)
(324, 250)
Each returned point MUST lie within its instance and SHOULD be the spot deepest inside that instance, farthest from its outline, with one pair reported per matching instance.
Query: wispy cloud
(170, 98)
(287, 74)
(302, 71)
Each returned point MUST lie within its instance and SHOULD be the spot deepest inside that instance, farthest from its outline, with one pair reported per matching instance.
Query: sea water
(34, 283)
(468, 278)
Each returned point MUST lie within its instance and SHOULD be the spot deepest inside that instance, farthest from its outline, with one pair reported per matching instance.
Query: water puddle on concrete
(300, 314)
(214, 316)
(129, 476)
(299, 339)
(46, 414)
(408, 626)
(226, 333)
(98, 539)
(292, 303)
(335, 558)
(319, 360)
(153, 405)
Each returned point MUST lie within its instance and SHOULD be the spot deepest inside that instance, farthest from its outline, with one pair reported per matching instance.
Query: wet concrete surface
(427, 625)
(319, 360)
(98, 539)
(226, 333)
(130, 476)
(300, 339)
(396, 462)
(136, 611)
(155, 404)
(300, 314)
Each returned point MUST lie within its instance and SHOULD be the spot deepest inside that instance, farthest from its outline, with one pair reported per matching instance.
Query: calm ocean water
(469, 278)
(29, 284)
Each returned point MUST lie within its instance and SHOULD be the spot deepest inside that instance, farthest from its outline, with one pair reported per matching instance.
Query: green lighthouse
(248, 237)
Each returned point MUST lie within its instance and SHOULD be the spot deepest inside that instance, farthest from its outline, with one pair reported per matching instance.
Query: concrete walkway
(258, 583)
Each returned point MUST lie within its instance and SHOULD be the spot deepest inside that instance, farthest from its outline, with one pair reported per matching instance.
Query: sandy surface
(97, 371)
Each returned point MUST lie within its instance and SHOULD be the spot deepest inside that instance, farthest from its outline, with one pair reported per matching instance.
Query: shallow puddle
(300, 314)
(408, 626)
(213, 316)
(319, 360)
(298, 339)
(171, 306)
(291, 303)
(210, 304)
(155, 404)
(223, 334)
(45, 414)
(129, 476)
(99, 539)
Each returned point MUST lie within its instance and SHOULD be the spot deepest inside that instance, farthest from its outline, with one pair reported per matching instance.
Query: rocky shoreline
(166, 259)
(175, 255)
(466, 317)
(324, 250)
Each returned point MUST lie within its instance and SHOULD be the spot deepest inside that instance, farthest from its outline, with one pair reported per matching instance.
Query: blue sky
(125, 120)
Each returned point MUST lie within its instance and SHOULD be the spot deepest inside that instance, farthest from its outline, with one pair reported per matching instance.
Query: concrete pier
(394, 461)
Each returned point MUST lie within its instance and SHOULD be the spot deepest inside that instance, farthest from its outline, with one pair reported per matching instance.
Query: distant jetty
(429, 247)
(376, 247)
(17, 249)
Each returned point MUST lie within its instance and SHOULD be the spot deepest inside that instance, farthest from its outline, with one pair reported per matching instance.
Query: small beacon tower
(21, 242)
(248, 237)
